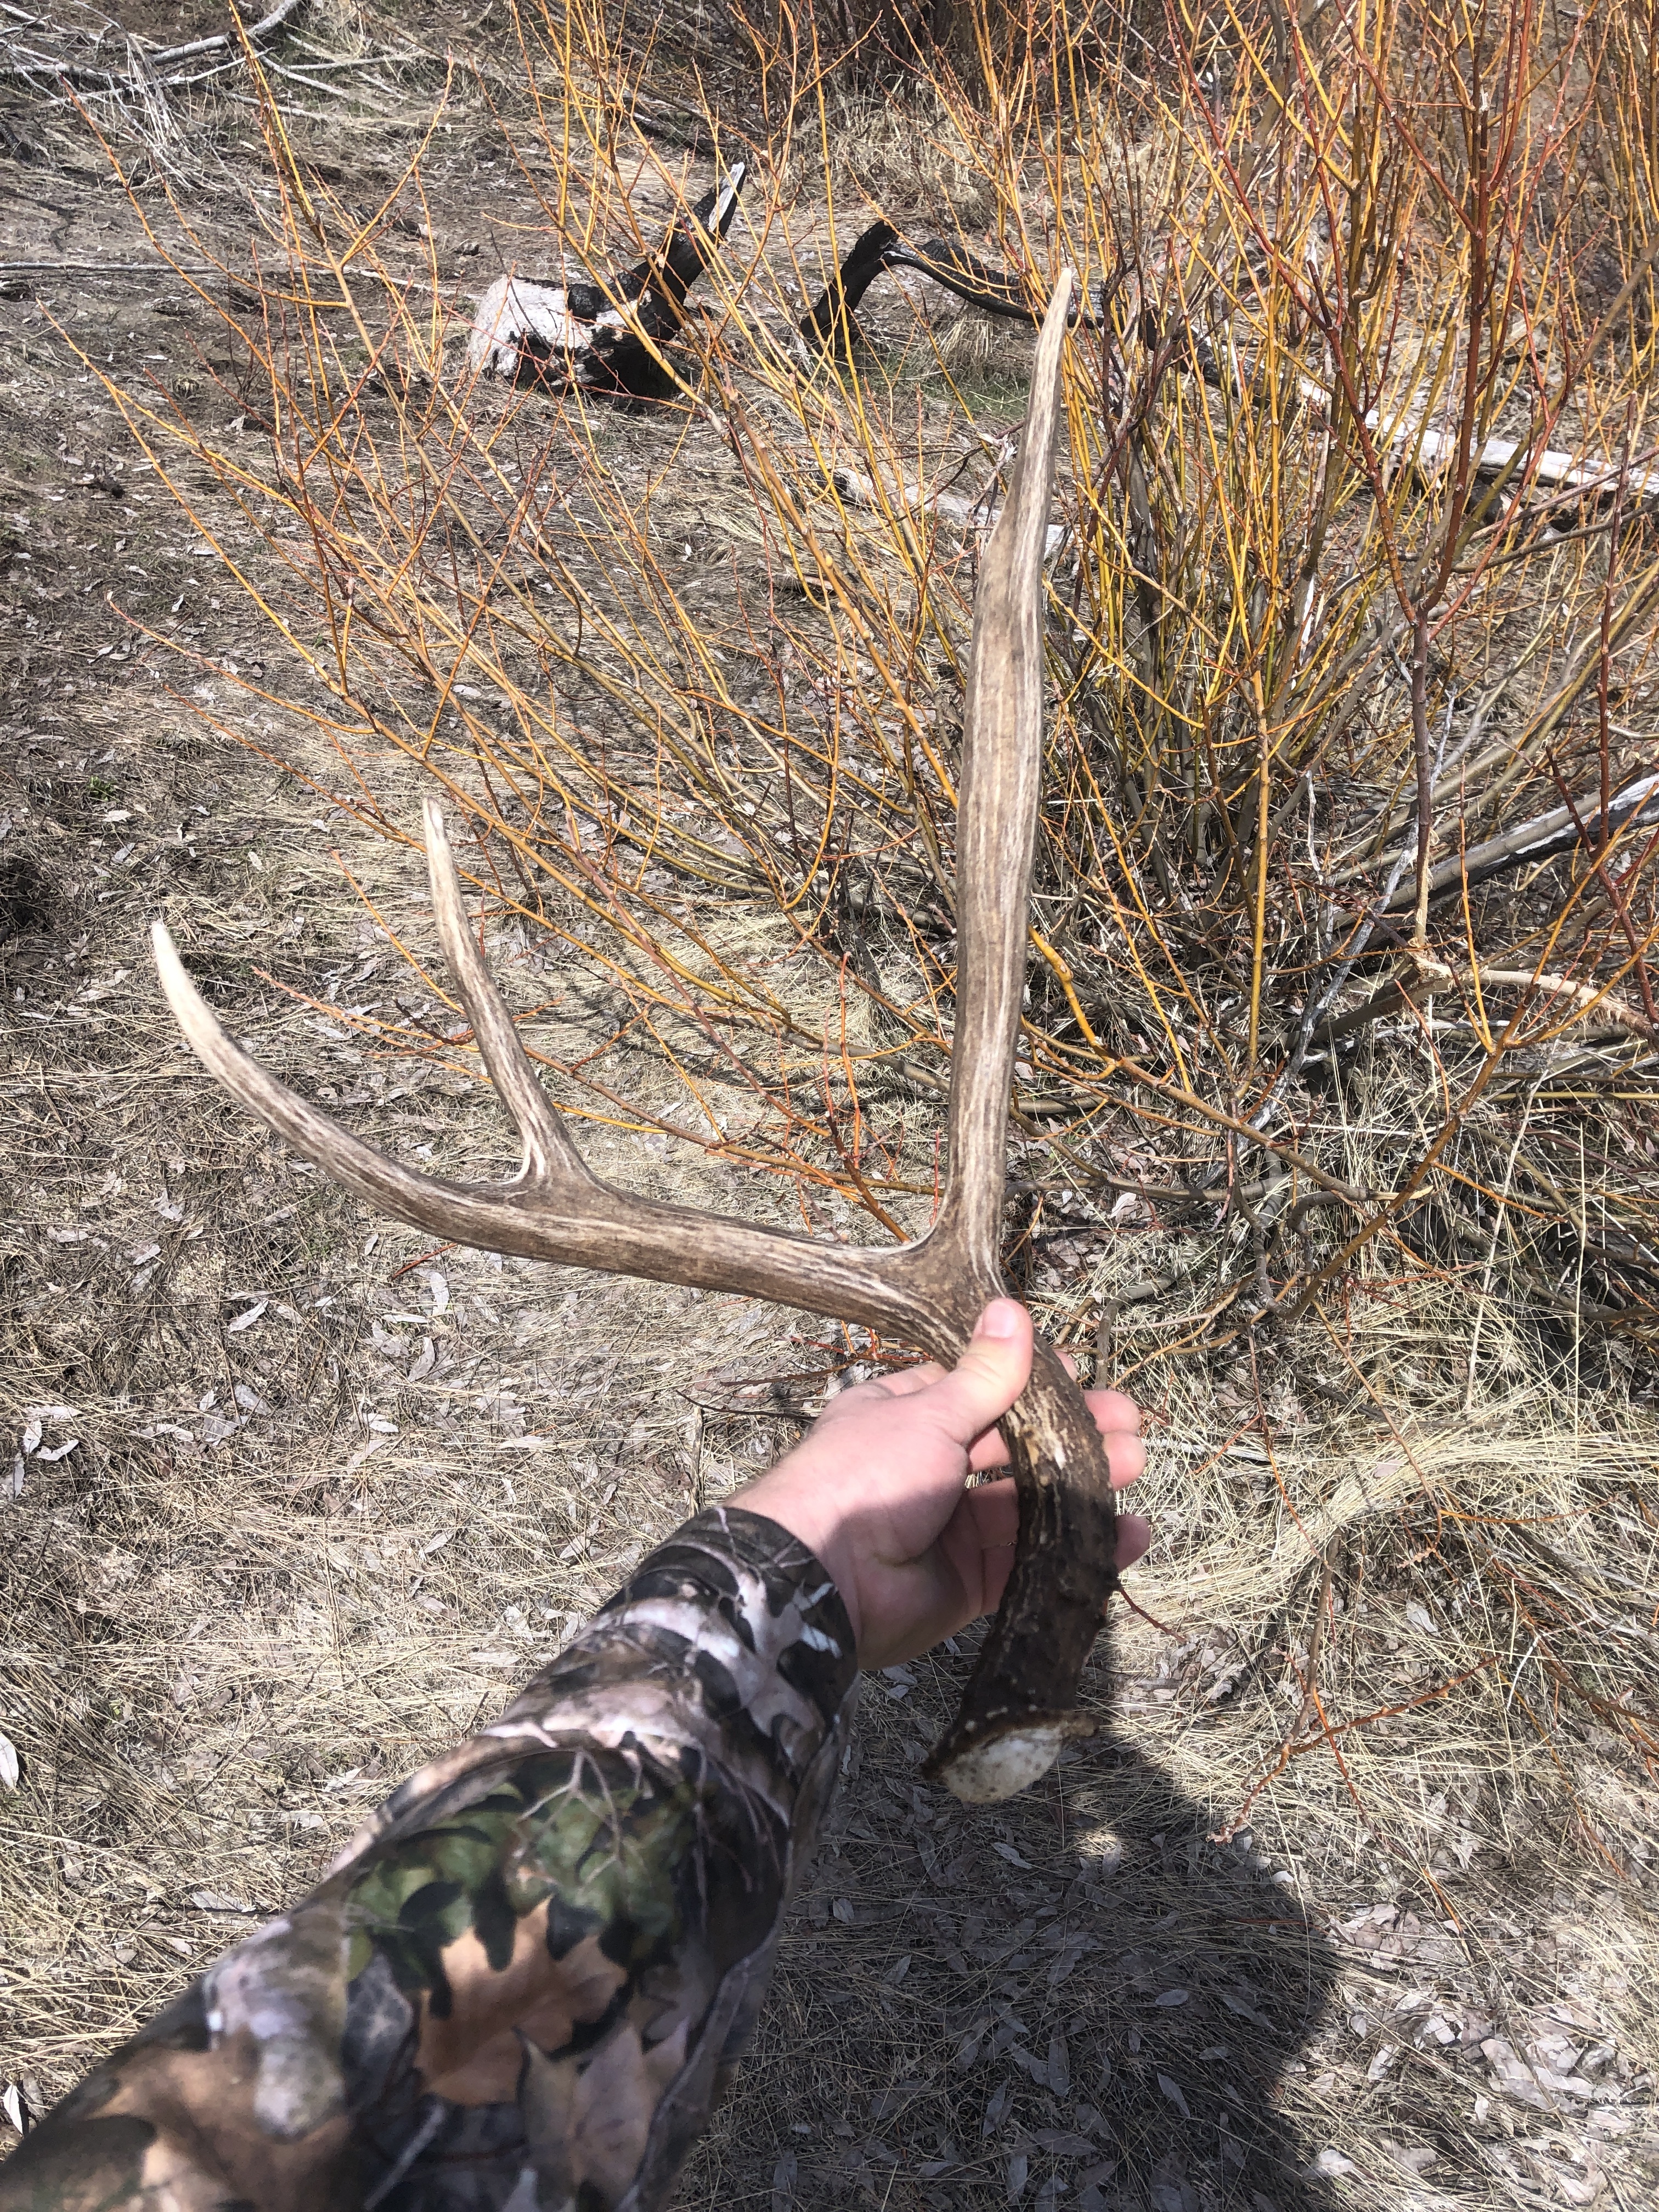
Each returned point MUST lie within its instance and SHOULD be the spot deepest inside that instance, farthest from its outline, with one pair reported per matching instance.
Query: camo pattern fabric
(520, 1988)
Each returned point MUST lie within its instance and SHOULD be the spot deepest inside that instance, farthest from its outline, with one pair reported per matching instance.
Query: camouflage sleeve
(519, 1986)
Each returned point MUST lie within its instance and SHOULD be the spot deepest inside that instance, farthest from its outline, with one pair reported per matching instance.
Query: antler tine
(344, 1158)
(996, 828)
(547, 1143)
(1019, 1707)
(556, 1209)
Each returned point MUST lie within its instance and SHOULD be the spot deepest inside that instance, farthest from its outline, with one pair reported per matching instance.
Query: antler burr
(1020, 1703)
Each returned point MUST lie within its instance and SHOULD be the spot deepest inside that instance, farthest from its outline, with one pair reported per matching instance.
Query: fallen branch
(1558, 831)
(82, 78)
(1586, 478)
(1433, 976)
(1428, 450)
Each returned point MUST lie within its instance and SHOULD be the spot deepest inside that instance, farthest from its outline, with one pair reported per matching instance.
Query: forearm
(541, 1952)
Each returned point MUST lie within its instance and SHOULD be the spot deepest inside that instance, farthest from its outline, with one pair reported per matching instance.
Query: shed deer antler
(1020, 1704)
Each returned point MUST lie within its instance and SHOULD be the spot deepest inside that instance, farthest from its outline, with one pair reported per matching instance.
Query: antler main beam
(1020, 1704)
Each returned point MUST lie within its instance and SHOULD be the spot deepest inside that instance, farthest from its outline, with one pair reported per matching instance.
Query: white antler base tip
(1001, 1764)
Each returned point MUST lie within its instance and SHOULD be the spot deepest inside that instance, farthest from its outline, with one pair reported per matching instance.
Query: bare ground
(304, 1502)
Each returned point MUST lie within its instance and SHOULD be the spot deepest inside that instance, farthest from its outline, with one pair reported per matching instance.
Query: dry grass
(1405, 1500)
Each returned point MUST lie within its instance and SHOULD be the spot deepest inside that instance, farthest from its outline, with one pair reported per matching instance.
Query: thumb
(989, 1376)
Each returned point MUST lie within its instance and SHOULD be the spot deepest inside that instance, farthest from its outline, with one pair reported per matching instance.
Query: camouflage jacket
(520, 1985)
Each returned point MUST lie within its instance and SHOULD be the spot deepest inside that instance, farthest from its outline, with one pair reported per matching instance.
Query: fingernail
(999, 1319)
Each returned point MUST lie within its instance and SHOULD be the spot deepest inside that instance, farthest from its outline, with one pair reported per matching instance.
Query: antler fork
(1020, 1703)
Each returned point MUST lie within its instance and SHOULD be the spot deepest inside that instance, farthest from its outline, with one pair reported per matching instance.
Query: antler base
(1019, 1709)
(981, 1766)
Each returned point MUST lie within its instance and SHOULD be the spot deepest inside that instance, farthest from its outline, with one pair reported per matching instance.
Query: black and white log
(605, 337)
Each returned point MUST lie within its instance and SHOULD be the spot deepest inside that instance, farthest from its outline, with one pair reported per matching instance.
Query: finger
(999, 1565)
(903, 1382)
(1126, 1456)
(989, 1376)
(1114, 1414)
(1135, 1538)
(1125, 1451)
(988, 1451)
(993, 1511)
(1112, 1410)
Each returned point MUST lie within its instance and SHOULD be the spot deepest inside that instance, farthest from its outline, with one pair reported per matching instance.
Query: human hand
(876, 1489)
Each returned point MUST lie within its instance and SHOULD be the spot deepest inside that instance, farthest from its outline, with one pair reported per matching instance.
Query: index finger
(1114, 1412)
(1117, 1419)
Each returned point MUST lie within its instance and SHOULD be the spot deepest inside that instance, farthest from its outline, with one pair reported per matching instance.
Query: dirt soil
(293, 1501)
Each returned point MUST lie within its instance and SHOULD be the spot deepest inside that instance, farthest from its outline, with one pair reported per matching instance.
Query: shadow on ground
(1074, 2001)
